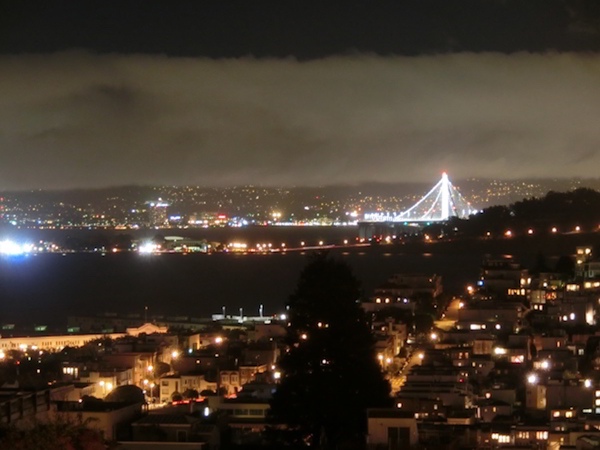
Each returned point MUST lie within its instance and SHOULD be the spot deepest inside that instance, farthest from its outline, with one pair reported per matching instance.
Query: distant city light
(532, 378)
(11, 248)
(147, 247)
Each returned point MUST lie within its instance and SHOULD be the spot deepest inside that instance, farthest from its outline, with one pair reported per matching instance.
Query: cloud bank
(81, 120)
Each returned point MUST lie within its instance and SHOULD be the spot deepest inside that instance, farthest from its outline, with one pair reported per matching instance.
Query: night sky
(296, 92)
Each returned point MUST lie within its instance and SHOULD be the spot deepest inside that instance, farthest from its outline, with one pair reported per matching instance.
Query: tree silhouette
(566, 267)
(330, 374)
(190, 394)
(57, 434)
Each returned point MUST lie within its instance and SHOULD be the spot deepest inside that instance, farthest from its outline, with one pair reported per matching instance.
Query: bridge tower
(439, 204)
(445, 188)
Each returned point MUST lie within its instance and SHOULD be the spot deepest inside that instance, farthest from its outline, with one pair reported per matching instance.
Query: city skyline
(94, 110)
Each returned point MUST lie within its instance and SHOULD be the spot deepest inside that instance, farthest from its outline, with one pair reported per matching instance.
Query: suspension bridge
(439, 204)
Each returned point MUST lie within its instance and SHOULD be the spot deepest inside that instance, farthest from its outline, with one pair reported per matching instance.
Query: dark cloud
(77, 119)
(305, 29)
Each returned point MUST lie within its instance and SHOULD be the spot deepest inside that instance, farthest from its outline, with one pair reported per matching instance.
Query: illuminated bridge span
(440, 203)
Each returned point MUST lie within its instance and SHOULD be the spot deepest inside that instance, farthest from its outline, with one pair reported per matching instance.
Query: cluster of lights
(238, 246)
(264, 246)
(11, 248)
(106, 386)
(531, 231)
(148, 248)
(569, 317)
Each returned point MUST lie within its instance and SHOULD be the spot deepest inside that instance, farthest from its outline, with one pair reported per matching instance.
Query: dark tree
(541, 265)
(330, 374)
(53, 435)
(190, 394)
(566, 267)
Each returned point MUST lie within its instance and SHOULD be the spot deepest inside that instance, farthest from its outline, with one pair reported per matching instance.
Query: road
(448, 321)
(450, 315)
